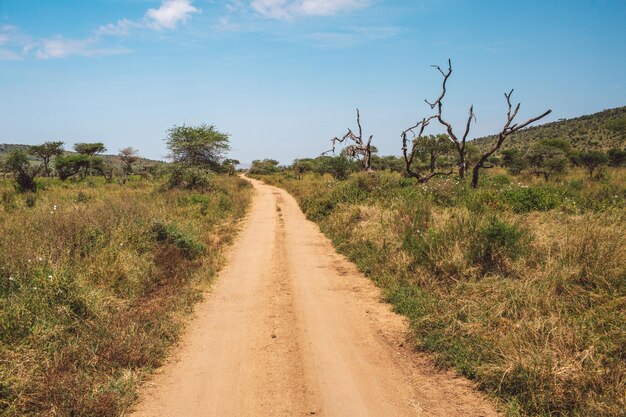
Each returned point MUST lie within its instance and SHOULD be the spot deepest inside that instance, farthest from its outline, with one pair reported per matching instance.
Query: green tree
(548, 157)
(514, 161)
(90, 149)
(46, 151)
(264, 167)
(430, 148)
(198, 146)
(300, 166)
(617, 157)
(591, 160)
(24, 173)
(128, 156)
(340, 167)
(70, 165)
(229, 166)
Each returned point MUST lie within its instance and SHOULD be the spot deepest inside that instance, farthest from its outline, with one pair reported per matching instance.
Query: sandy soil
(291, 328)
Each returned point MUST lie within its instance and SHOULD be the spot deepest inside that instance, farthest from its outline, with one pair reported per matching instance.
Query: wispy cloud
(61, 48)
(170, 13)
(291, 9)
(350, 36)
(15, 45)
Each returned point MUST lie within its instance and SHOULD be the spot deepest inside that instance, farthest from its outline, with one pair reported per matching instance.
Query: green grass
(96, 281)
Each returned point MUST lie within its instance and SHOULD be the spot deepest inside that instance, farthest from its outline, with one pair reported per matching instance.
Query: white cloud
(290, 9)
(61, 48)
(16, 45)
(170, 13)
(121, 28)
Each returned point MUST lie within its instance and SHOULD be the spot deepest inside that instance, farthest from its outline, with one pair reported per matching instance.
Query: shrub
(8, 200)
(17, 162)
(190, 178)
(171, 233)
(30, 200)
(496, 244)
(526, 199)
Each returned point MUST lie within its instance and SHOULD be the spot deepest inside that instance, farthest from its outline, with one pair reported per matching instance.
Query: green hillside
(599, 131)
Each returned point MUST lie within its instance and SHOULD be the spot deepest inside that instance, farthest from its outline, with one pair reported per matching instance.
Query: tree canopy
(199, 146)
(90, 149)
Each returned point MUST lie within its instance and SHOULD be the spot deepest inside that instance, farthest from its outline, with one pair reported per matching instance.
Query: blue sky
(285, 76)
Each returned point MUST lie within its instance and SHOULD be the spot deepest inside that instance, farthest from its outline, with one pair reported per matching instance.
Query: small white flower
(40, 259)
(11, 279)
(50, 276)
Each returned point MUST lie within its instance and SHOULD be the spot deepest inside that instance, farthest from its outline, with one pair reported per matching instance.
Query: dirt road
(293, 329)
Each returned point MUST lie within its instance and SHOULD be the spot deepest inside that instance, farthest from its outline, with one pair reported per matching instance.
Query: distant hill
(6, 148)
(598, 131)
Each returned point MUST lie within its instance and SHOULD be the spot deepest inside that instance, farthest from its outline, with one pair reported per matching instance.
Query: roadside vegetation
(99, 270)
(515, 277)
(519, 285)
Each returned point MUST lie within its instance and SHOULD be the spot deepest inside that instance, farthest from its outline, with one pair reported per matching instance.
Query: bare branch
(358, 148)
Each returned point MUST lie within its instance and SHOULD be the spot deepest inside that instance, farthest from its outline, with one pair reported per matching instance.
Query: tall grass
(520, 286)
(95, 280)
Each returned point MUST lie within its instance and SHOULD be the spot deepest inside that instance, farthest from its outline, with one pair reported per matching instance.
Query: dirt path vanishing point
(291, 329)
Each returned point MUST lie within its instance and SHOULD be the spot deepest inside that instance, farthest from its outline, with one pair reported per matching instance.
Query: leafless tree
(509, 128)
(459, 143)
(358, 147)
(417, 132)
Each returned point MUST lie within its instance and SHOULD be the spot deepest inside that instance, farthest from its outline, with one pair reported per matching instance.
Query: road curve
(290, 329)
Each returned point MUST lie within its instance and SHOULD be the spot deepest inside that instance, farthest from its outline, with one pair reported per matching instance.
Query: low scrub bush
(496, 244)
(171, 233)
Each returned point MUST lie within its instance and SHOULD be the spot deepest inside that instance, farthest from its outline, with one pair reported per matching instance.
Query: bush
(171, 233)
(190, 178)
(496, 244)
(17, 162)
(526, 199)
(30, 200)
(8, 200)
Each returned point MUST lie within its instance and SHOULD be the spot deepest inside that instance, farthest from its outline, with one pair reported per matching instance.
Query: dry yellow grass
(90, 297)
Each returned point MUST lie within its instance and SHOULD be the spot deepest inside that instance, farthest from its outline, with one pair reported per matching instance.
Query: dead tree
(459, 143)
(508, 129)
(358, 148)
(417, 132)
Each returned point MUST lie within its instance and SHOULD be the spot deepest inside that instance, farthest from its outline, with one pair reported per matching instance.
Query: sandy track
(293, 329)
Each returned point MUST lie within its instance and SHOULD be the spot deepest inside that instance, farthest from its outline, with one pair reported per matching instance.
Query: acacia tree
(197, 146)
(90, 149)
(548, 157)
(359, 147)
(46, 151)
(128, 156)
(591, 160)
(230, 166)
(432, 147)
(24, 173)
